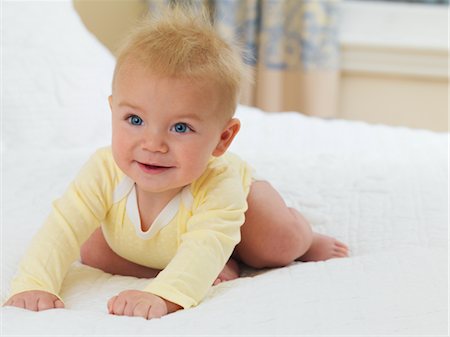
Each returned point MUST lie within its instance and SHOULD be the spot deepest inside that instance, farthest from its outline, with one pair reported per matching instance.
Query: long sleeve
(211, 234)
(72, 219)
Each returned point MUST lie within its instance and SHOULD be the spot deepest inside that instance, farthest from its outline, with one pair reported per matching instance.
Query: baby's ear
(110, 101)
(227, 136)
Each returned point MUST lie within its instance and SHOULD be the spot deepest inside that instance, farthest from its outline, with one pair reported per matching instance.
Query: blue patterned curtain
(283, 34)
(291, 45)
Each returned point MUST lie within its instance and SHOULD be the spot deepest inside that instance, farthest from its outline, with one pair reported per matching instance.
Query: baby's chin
(160, 185)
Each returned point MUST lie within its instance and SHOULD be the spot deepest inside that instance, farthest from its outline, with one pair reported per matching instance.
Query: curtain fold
(291, 46)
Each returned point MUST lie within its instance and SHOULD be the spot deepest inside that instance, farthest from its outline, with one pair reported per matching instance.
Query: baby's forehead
(206, 85)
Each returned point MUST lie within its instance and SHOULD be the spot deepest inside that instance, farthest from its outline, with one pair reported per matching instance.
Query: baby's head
(182, 43)
(175, 90)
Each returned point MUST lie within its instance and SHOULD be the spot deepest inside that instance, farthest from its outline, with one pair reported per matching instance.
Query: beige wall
(110, 20)
(418, 102)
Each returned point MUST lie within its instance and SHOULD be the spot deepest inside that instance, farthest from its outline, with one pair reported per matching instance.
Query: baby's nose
(154, 142)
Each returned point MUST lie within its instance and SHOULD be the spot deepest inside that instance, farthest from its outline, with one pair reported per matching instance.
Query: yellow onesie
(191, 239)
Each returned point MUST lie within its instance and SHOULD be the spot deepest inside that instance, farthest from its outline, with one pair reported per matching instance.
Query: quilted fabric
(382, 190)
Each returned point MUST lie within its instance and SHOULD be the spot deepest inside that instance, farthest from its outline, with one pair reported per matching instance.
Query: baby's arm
(212, 232)
(55, 246)
(207, 241)
(36, 300)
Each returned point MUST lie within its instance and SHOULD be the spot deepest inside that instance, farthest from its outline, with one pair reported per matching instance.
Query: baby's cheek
(121, 156)
(195, 169)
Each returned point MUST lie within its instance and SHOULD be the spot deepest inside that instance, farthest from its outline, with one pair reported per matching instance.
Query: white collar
(127, 188)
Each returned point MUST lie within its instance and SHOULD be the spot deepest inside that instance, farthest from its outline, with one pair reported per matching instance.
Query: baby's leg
(323, 247)
(95, 252)
(275, 235)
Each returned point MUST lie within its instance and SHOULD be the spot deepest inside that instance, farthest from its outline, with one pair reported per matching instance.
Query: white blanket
(380, 189)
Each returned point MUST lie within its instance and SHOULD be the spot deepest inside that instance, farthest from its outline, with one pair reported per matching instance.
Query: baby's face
(164, 130)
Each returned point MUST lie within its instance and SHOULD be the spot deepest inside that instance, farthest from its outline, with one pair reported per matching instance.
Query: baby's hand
(36, 300)
(140, 303)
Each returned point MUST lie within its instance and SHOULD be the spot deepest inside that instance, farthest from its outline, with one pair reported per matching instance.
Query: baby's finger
(119, 306)
(141, 310)
(128, 308)
(111, 304)
(31, 303)
(44, 303)
(58, 304)
(18, 302)
(156, 311)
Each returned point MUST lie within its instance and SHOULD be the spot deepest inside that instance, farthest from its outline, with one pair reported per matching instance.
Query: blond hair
(182, 42)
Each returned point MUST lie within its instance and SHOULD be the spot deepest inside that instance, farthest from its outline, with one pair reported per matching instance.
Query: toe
(340, 251)
(341, 244)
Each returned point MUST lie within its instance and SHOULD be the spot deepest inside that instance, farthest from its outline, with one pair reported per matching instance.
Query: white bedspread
(380, 189)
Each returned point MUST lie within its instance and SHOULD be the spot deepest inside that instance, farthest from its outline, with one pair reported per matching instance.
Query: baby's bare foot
(324, 248)
(228, 273)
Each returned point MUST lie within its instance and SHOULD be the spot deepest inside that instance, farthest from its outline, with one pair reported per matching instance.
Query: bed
(382, 190)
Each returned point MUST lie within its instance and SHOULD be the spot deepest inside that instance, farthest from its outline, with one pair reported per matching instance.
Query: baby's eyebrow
(195, 117)
(128, 105)
(191, 116)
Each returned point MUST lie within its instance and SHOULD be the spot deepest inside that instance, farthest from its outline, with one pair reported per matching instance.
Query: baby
(166, 200)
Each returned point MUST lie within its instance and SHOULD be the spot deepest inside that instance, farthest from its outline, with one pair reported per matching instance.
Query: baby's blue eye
(181, 128)
(135, 120)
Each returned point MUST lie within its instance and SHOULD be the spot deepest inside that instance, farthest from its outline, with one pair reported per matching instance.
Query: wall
(388, 86)
(394, 61)
(110, 20)
(395, 100)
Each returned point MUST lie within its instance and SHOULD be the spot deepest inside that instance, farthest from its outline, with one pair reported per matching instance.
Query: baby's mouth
(150, 166)
(153, 168)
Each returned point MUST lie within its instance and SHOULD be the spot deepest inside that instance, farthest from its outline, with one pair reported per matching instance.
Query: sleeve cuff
(170, 294)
